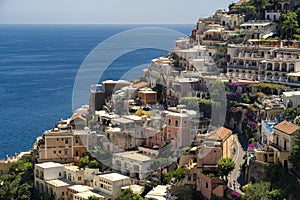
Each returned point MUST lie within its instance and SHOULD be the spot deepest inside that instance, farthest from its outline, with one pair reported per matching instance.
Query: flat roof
(72, 167)
(81, 188)
(58, 183)
(122, 120)
(137, 189)
(49, 165)
(297, 74)
(87, 194)
(134, 155)
(113, 176)
(158, 192)
(291, 93)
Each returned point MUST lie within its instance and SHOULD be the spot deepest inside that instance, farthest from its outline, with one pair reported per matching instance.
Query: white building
(111, 184)
(133, 163)
(291, 99)
(160, 192)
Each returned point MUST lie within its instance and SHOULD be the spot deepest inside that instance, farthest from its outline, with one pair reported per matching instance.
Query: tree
(294, 156)
(260, 6)
(93, 164)
(83, 162)
(290, 25)
(93, 198)
(128, 194)
(261, 191)
(226, 165)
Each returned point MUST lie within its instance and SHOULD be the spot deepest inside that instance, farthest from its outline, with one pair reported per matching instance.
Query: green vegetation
(261, 191)
(88, 161)
(128, 194)
(290, 25)
(159, 163)
(281, 180)
(93, 198)
(291, 113)
(175, 176)
(294, 156)
(226, 165)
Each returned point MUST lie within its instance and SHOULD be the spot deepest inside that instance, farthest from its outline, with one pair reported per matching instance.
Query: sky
(107, 11)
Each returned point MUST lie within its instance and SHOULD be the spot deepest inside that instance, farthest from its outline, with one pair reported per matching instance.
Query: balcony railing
(275, 145)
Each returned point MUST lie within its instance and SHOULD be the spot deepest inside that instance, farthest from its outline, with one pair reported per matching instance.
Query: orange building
(147, 96)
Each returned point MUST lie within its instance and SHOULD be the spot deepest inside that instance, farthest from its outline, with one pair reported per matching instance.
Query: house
(75, 189)
(48, 178)
(110, 184)
(65, 146)
(283, 141)
(291, 99)
(147, 96)
(133, 163)
(223, 137)
(160, 192)
(86, 194)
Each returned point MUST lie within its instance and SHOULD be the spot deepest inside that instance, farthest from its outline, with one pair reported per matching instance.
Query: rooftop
(49, 165)
(220, 133)
(141, 84)
(122, 120)
(287, 127)
(113, 176)
(134, 155)
(291, 93)
(80, 188)
(87, 194)
(137, 189)
(57, 183)
(159, 192)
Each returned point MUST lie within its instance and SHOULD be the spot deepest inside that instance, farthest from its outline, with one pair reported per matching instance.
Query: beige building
(54, 178)
(133, 163)
(64, 146)
(111, 183)
(265, 61)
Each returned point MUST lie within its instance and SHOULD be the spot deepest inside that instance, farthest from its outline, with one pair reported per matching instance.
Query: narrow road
(235, 179)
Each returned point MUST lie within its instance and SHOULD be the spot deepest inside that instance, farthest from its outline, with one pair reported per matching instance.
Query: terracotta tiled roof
(287, 127)
(77, 115)
(141, 85)
(220, 133)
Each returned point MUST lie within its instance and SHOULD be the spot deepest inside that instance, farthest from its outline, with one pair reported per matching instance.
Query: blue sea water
(38, 66)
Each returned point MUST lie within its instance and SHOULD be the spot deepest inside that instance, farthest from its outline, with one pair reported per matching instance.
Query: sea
(38, 67)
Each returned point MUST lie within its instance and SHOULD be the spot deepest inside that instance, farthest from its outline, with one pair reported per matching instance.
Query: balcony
(268, 78)
(282, 79)
(261, 77)
(275, 145)
(275, 78)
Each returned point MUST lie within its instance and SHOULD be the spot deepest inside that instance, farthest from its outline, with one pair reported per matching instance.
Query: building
(223, 137)
(48, 179)
(147, 96)
(75, 189)
(291, 99)
(259, 29)
(160, 192)
(85, 196)
(64, 146)
(283, 141)
(110, 184)
(264, 60)
(133, 163)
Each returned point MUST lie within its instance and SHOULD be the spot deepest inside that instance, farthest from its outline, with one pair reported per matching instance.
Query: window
(206, 185)
(169, 122)
(62, 194)
(66, 152)
(176, 123)
(66, 141)
(59, 151)
(189, 178)
(79, 178)
(54, 152)
(59, 174)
